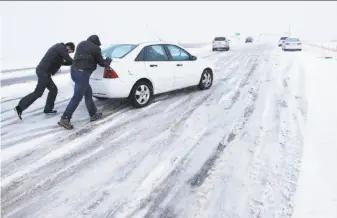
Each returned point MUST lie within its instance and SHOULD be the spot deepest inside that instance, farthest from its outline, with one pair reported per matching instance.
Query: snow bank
(317, 185)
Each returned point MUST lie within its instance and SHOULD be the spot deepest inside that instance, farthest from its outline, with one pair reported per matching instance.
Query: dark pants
(82, 88)
(44, 81)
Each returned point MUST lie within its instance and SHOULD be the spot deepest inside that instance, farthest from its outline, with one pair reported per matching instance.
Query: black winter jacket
(88, 54)
(55, 57)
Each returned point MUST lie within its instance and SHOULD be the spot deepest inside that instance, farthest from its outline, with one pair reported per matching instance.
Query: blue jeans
(82, 88)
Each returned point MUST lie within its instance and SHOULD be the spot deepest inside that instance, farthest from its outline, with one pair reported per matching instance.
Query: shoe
(65, 123)
(18, 112)
(96, 116)
(50, 111)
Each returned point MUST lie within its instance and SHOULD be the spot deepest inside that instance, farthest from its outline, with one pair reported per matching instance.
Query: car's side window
(177, 53)
(155, 53)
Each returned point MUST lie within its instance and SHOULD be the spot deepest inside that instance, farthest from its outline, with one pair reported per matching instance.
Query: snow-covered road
(232, 151)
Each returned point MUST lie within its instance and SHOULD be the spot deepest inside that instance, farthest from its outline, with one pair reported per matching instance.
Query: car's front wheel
(141, 94)
(206, 79)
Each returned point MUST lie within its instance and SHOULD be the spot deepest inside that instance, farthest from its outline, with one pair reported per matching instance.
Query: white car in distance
(292, 44)
(220, 43)
(140, 71)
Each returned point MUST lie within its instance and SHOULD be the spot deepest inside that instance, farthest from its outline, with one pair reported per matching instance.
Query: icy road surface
(232, 151)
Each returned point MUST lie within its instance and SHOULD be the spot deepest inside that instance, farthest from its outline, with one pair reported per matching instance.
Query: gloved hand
(107, 61)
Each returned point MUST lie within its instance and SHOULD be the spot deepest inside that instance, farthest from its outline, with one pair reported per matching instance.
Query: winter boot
(50, 111)
(18, 112)
(64, 122)
(96, 116)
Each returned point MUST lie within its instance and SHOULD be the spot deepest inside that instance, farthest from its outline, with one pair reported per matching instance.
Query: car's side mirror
(193, 58)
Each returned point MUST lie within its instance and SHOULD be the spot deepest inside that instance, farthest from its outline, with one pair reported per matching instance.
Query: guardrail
(331, 46)
(18, 69)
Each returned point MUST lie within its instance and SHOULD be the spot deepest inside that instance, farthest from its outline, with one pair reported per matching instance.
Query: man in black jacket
(88, 55)
(51, 62)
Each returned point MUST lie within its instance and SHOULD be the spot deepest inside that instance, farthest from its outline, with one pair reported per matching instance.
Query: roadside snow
(317, 186)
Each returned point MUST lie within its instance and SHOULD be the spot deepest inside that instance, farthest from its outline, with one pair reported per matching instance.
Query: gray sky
(29, 28)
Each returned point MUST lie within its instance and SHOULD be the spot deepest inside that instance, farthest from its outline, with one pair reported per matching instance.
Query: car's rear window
(220, 39)
(118, 50)
(283, 38)
(292, 40)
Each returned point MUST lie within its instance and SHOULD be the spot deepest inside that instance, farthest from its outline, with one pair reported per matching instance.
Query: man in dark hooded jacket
(88, 55)
(51, 62)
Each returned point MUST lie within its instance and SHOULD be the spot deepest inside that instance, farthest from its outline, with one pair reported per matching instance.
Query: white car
(292, 44)
(220, 43)
(140, 71)
(281, 41)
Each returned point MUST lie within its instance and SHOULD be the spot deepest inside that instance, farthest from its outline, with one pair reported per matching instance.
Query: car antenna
(147, 26)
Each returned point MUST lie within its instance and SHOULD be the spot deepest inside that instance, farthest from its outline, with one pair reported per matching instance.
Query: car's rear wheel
(206, 79)
(141, 94)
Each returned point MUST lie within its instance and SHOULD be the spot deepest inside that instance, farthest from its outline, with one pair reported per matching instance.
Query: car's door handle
(179, 65)
(153, 65)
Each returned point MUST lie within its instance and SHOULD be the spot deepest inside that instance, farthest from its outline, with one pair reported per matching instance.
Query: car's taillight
(287, 43)
(110, 73)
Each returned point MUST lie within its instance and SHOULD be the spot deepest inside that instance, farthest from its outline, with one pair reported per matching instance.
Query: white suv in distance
(292, 44)
(220, 43)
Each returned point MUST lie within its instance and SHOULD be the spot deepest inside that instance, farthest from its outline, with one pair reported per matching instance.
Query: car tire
(146, 90)
(206, 79)
(299, 49)
(101, 98)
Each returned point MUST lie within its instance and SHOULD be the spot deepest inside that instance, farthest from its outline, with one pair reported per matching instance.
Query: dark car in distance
(249, 39)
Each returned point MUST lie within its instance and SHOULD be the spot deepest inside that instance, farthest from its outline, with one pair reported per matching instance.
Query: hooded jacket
(55, 57)
(88, 54)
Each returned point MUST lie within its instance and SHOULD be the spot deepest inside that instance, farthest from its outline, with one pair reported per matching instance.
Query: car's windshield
(118, 50)
(292, 40)
(283, 38)
(220, 39)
